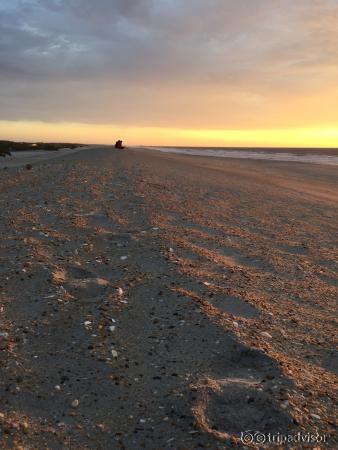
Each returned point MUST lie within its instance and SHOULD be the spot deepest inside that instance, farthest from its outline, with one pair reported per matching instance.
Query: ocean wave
(331, 160)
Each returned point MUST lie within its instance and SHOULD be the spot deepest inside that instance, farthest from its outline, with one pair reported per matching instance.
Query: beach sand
(21, 158)
(156, 300)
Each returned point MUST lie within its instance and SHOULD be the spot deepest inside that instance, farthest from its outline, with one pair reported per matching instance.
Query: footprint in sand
(80, 283)
(235, 306)
(239, 395)
(102, 220)
(233, 406)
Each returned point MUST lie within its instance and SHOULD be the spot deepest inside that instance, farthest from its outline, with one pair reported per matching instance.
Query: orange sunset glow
(102, 134)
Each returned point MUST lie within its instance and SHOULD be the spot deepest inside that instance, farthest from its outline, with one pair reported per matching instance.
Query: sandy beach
(21, 158)
(165, 301)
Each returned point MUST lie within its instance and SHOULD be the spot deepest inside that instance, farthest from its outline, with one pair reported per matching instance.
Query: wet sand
(166, 301)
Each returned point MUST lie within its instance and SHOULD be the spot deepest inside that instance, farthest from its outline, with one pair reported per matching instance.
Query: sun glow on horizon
(108, 134)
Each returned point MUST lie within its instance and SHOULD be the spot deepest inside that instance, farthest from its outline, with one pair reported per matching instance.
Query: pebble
(266, 334)
(120, 291)
(112, 328)
(235, 324)
(75, 403)
(114, 353)
(123, 258)
(15, 425)
(315, 416)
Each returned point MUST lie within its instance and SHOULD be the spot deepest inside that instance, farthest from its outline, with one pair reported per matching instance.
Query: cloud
(157, 61)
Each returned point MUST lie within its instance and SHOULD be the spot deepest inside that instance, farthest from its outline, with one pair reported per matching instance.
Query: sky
(170, 72)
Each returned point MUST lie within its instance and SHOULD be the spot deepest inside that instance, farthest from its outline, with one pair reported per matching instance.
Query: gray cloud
(76, 59)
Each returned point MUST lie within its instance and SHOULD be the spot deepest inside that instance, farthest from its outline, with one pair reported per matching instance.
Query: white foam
(252, 154)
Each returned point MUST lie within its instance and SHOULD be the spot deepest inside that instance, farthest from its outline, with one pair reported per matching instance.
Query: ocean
(314, 156)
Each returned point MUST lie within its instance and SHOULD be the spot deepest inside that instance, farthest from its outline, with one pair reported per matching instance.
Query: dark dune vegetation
(6, 147)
